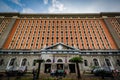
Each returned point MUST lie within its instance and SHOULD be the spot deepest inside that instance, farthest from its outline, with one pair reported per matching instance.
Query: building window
(12, 62)
(118, 62)
(59, 60)
(95, 62)
(108, 62)
(85, 62)
(24, 62)
(48, 60)
(1, 62)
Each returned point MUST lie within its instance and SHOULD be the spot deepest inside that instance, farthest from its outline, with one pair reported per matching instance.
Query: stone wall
(31, 57)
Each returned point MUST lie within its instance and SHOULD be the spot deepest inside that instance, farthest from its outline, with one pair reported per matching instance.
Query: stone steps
(72, 76)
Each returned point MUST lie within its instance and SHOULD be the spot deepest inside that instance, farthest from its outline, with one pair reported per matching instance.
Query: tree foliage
(76, 59)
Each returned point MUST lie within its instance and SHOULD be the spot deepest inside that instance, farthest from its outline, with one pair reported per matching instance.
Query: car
(107, 72)
(94, 69)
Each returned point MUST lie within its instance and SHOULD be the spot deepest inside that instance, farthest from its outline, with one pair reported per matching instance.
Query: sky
(59, 6)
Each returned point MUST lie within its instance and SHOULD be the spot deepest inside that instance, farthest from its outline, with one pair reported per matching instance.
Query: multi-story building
(57, 38)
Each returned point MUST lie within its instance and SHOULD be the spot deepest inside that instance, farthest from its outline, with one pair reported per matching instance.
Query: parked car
(102, 71)
(94, 69)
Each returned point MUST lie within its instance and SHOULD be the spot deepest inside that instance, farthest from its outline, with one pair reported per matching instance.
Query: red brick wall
(79, 33)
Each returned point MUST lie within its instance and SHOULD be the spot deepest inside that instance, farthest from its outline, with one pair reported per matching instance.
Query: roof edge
(11, 14)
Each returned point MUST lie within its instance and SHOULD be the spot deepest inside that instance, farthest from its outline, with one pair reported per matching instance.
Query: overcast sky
(59, 6)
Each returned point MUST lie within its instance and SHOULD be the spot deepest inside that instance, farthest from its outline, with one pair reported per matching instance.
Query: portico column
(66, 68)
(42, 68)
(53, 66)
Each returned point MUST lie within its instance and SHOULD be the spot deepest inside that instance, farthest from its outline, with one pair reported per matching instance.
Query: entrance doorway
(59, 66)
(47, 68)
(72, 68)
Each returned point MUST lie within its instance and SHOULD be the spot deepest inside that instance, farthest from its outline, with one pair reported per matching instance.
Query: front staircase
(69, 76)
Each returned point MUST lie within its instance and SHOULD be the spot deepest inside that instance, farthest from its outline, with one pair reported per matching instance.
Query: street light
(39, 61)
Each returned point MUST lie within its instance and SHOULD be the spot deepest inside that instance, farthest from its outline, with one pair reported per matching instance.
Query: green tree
(77, 60)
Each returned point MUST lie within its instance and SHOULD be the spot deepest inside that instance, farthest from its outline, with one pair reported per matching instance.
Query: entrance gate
(47, 68)
(60, 66)
(72, 68)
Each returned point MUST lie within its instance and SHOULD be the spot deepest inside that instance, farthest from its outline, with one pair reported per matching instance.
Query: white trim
(8, 63)
(21, 62)
(110, 63)
(48, 59)
(113, 61)
(61, 59)
(99, 62)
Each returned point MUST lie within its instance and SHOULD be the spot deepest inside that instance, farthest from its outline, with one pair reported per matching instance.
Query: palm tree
(77, 60)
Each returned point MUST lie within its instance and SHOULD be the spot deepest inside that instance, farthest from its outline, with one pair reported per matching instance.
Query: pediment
(60, 46)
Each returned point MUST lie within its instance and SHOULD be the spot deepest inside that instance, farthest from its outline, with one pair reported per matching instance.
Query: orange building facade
(58, 37)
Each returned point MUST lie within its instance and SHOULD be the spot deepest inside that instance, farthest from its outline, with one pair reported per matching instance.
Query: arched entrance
(47, 66)
(60, 64)
(72, 68)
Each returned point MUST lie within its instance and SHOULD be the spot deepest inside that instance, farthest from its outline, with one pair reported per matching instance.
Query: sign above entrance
(60, 47)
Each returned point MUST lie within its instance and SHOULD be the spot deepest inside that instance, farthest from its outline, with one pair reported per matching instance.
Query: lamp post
(39, 61)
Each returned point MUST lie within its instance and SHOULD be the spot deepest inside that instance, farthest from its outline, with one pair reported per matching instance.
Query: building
(56, 38)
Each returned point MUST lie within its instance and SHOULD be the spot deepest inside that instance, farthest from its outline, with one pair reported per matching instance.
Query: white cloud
(45, 1)
(77, 7)
(5, 8)
(81, 8)
(56, 7)
(28, 10)
(17, 2)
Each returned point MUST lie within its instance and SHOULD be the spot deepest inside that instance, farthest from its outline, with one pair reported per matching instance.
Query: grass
(26, 79)
(30, 77)
(51, 78)
(58, 79)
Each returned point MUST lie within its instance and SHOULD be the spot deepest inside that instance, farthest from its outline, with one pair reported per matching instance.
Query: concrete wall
(6, 32)
(31, 57)
(18, 61)
(113, 33)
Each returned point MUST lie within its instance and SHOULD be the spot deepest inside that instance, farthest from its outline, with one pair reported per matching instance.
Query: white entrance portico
(59, 54)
